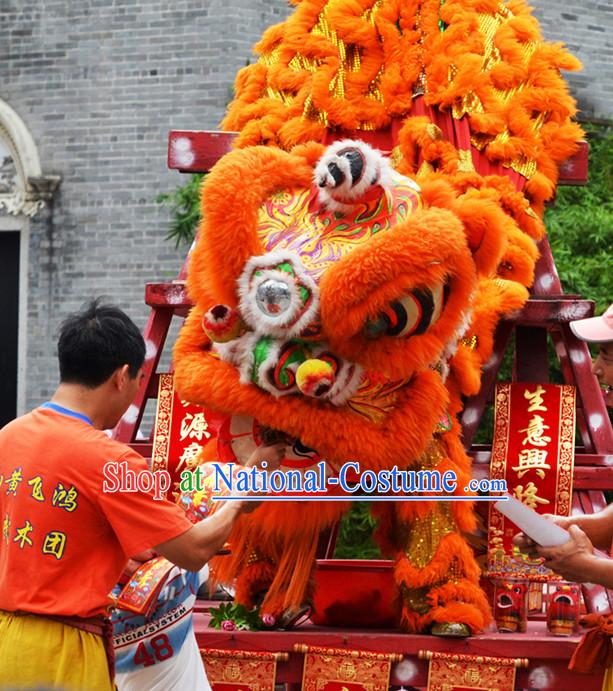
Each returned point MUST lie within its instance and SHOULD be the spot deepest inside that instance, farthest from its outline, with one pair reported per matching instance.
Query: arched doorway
(20, 199)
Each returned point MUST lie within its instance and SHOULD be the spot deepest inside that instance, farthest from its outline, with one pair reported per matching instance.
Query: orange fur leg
(460, 601)
(253, 583)
(445, 589)
(294, 572)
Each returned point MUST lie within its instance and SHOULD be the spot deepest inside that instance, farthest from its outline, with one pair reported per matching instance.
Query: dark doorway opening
(9, 312)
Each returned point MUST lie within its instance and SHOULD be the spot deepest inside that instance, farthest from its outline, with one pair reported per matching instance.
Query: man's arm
(597, 526)
(192, 549)
(601, 573)
(195, 547)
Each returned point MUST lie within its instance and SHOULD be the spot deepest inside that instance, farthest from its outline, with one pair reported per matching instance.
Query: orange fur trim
(465, 369)
(486, 228)
(286, 557)
(523, 105)
(517, 263)
(249, 176)
(294, 572)
(496, 298)
(361, 285)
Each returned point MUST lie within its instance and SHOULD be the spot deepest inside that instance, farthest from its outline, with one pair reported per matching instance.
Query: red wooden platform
(548, 655)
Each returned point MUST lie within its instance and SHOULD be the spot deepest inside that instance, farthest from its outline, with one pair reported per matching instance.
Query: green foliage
(580, 225)
(231, 616)
(355, 534)
(184, 205)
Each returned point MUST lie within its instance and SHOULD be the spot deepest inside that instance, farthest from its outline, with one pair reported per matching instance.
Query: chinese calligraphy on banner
(181, 431)
(533, 450)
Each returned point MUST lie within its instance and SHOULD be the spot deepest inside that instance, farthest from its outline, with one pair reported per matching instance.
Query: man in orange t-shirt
(64, 541)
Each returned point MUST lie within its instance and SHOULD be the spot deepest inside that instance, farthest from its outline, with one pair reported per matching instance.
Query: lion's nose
(273, 297)
(315, 377)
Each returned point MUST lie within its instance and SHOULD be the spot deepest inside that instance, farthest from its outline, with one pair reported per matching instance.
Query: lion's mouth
(269, 436)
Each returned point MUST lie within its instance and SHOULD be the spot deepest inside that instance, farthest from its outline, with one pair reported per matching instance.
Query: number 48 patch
(162, 650)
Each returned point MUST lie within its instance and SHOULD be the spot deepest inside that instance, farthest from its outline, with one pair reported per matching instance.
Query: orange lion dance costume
(377, 219)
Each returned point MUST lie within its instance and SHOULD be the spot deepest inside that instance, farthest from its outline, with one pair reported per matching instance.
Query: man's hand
(144, 556)
(575, 560)
(273, 455)
(528, 547)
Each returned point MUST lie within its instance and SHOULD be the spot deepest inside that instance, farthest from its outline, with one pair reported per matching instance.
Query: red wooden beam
(536, 312)
(154, 334)
(481, 456)
(553, 309)
(172, 295)
(574, 171)
(197, 151)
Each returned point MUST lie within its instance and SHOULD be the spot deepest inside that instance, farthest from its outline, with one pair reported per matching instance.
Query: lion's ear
(395, 301)
(231, 197)
(487, 228)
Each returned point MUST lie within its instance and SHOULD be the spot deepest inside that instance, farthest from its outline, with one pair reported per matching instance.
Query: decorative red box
(356, 593)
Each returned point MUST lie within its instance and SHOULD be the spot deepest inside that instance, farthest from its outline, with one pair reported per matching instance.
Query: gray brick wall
(586, 27)
(99, 83)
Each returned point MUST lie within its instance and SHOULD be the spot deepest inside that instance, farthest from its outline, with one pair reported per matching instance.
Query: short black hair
(96, 341)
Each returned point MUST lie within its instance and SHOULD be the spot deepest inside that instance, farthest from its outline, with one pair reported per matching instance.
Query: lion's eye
(277, 296)
(410, 315)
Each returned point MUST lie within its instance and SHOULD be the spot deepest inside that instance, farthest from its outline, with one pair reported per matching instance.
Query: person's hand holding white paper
(541, 530)
(569, 553)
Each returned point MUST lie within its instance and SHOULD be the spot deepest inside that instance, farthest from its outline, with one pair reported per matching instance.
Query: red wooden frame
(548, 655)
(197, 151)
(547, 312)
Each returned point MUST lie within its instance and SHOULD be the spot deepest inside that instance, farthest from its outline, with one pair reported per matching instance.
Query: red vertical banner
(456, 672)
(533, 450)
(181, 431)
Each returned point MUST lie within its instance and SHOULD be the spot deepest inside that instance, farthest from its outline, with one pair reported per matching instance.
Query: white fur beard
(335, 196)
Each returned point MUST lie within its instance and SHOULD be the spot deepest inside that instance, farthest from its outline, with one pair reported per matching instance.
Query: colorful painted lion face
(333, 326)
